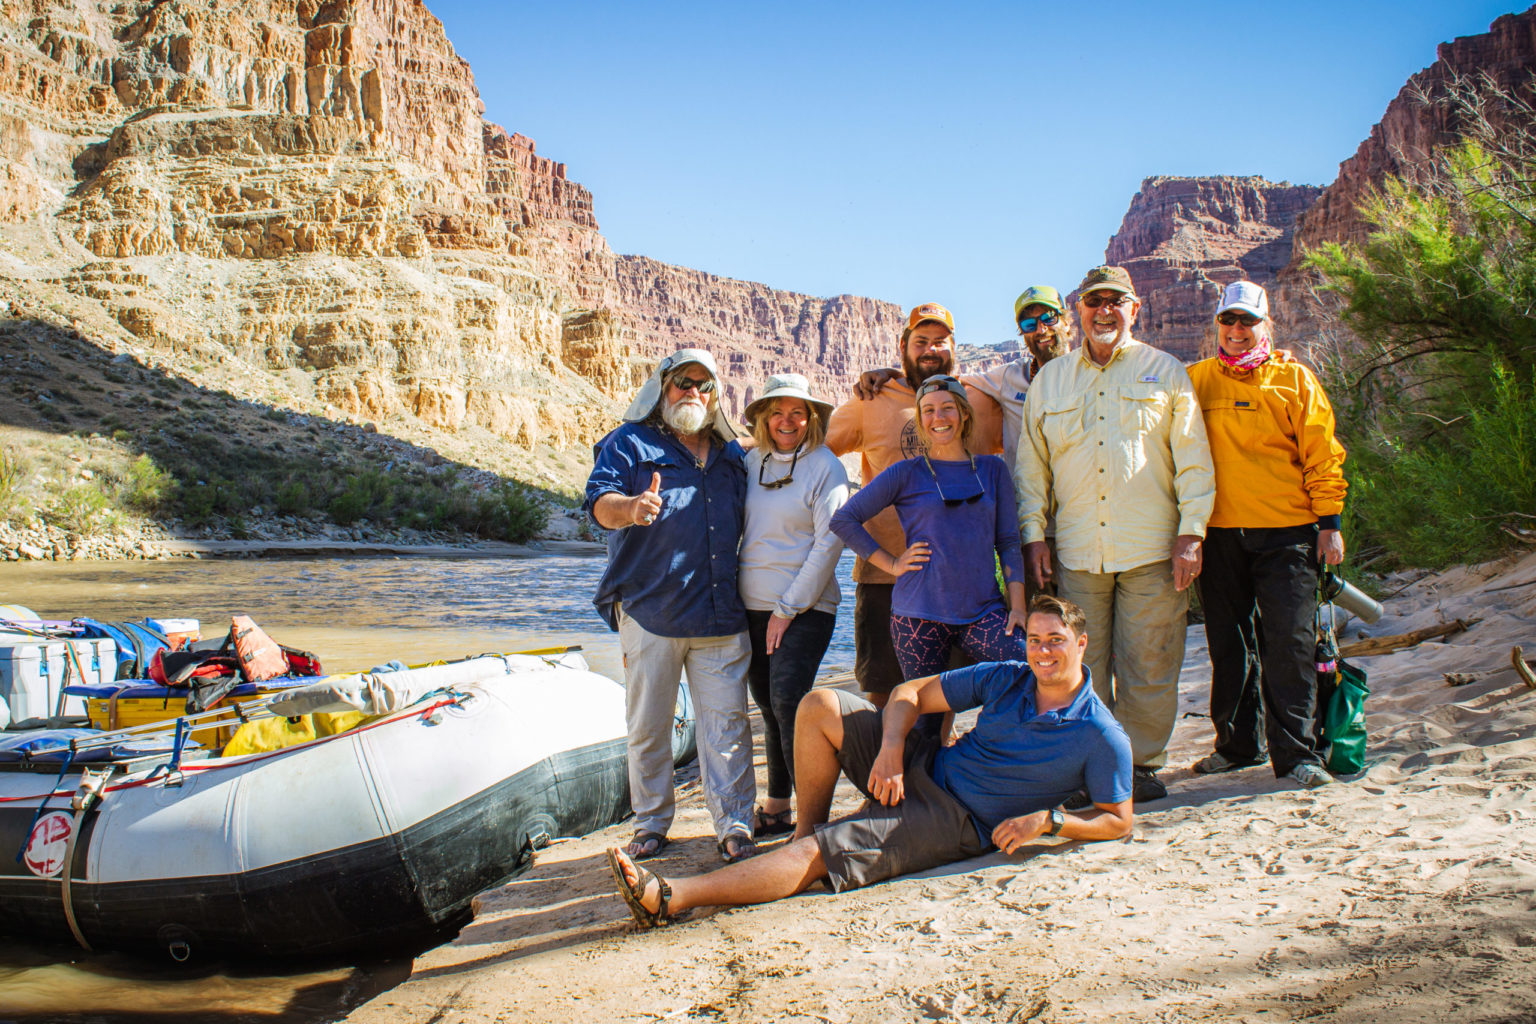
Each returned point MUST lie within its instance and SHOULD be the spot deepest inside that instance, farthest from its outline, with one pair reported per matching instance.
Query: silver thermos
(1349, 597)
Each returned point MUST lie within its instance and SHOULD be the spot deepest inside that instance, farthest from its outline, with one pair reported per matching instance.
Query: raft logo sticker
(46, 845)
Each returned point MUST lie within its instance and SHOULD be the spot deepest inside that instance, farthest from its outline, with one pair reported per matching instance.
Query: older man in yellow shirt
(1113, 445)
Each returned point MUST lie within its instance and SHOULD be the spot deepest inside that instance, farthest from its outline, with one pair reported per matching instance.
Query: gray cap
(649, 396)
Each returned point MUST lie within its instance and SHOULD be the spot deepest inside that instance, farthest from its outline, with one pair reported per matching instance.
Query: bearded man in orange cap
(882, 430)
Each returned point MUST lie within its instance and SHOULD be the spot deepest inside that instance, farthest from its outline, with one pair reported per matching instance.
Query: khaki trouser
(717, 679)
(1136, 625)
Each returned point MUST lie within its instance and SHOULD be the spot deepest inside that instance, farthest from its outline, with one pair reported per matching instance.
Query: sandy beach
(1405, 894)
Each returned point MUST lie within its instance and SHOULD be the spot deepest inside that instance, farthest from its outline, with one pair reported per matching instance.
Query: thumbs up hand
(646, 505)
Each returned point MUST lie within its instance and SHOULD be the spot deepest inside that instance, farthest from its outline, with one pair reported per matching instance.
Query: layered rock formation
(1408, 133)
(1182, 239)
(762, 330)
(306, 193)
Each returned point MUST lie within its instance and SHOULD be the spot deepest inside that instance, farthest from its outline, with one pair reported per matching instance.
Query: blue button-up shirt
(677, 576)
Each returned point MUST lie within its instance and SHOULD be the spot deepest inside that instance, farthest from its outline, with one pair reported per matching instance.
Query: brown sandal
(632, 894)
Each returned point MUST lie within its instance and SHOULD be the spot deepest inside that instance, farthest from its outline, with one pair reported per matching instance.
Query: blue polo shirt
(1017, 761)
(677, 576)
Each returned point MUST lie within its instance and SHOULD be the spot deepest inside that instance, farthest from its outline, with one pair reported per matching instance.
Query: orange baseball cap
(930, 311)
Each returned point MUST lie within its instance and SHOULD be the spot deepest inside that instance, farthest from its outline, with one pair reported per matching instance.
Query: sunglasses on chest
(958, 499)
(787, 478)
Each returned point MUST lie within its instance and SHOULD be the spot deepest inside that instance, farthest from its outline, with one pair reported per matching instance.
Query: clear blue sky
(912, 154)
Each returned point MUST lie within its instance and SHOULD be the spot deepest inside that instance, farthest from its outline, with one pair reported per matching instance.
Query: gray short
(928, 828)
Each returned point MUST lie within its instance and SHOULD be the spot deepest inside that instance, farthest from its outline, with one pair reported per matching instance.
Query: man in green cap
(1114, 444)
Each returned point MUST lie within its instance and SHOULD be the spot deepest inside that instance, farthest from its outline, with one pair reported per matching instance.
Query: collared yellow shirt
(1117, 455)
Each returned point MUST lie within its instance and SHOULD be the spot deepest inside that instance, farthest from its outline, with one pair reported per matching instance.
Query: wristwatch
(1058, 819)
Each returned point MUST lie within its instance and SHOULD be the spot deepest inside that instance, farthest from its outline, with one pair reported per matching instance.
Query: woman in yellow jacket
(1279, 493)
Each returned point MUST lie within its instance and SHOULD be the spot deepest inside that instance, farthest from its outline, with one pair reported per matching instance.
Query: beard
(1108, 337)
(1054, 343)
(684, 416)
(929, 366)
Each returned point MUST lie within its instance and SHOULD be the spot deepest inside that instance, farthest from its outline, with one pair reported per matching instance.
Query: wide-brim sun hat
(1246, 297)
(649, 396)
(787, 385)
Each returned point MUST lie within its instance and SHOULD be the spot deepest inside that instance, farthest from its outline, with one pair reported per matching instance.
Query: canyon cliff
(1182, 239)
(1409, 131)
(302, 202)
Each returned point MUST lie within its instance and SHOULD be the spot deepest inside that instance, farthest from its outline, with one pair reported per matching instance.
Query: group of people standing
(1107, 475)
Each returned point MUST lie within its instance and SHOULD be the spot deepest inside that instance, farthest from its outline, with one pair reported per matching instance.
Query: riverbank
(40, 541)
(1408, 893)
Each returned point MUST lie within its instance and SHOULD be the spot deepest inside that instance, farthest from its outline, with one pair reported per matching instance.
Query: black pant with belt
(1258, 588)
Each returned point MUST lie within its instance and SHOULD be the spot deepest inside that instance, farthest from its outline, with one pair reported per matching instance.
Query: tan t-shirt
(883, 430)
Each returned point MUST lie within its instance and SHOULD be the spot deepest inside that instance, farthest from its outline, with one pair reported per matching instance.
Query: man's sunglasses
(1095, 301)
(1030, 324)
(1229, 318)
(704, 386)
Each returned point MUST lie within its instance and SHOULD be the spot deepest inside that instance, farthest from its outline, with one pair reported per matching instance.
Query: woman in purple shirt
(957, 509)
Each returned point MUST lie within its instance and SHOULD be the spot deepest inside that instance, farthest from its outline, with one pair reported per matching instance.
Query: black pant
(1259, 591)
(779, 680)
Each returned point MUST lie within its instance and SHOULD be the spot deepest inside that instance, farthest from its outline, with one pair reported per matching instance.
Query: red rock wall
(753, 330)
(1408, 132)
(310, 185)
(1182, 239)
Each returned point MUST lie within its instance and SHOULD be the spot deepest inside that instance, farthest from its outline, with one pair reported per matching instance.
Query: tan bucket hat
(787, 385)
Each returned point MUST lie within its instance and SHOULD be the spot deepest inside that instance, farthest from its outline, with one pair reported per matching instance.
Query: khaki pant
(717, 679)
(1136, 624)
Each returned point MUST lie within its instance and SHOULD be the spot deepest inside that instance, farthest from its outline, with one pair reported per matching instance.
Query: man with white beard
(671, 484)
(1113, 443)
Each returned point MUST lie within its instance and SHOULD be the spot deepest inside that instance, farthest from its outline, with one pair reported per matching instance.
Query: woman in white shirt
(788, 564)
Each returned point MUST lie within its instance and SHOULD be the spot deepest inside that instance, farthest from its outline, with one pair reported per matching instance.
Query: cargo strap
(27, 835)
(87, 797)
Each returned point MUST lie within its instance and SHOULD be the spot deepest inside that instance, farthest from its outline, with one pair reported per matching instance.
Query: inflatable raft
(372, 839)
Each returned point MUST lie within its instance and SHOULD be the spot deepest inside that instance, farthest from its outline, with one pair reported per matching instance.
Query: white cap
(1245, 296)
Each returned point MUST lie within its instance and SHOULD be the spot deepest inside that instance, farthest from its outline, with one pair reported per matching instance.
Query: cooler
(34, 671)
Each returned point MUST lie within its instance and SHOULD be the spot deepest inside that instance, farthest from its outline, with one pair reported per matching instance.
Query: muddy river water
(353, 613)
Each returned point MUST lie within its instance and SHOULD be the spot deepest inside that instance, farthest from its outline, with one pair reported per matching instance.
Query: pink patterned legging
(923, 645)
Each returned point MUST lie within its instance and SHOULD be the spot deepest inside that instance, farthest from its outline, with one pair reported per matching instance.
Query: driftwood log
(1387, 644)
(1517, 658)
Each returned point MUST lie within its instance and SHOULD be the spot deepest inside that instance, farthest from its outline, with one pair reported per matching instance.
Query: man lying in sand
(1042, 735)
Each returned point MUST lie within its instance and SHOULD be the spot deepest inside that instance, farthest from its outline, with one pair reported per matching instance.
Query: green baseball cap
(1039, 295)
(1107, 279)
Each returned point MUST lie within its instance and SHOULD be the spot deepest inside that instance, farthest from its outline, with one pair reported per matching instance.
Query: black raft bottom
(412, 889)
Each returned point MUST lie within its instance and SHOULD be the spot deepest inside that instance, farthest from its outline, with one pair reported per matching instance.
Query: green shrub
(13, 471)
(145, 487)
(369, 494)
(506, 512)
(1436, 504)
(292, 497)
(1436, 392)
(81, 509)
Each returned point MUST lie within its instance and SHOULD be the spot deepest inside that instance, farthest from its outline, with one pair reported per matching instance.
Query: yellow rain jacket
(1271, 435)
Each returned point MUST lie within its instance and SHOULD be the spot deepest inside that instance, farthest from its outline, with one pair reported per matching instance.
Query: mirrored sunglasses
(1031, 324)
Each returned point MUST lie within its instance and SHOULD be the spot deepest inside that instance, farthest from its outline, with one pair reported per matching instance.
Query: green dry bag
(1344, 720)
